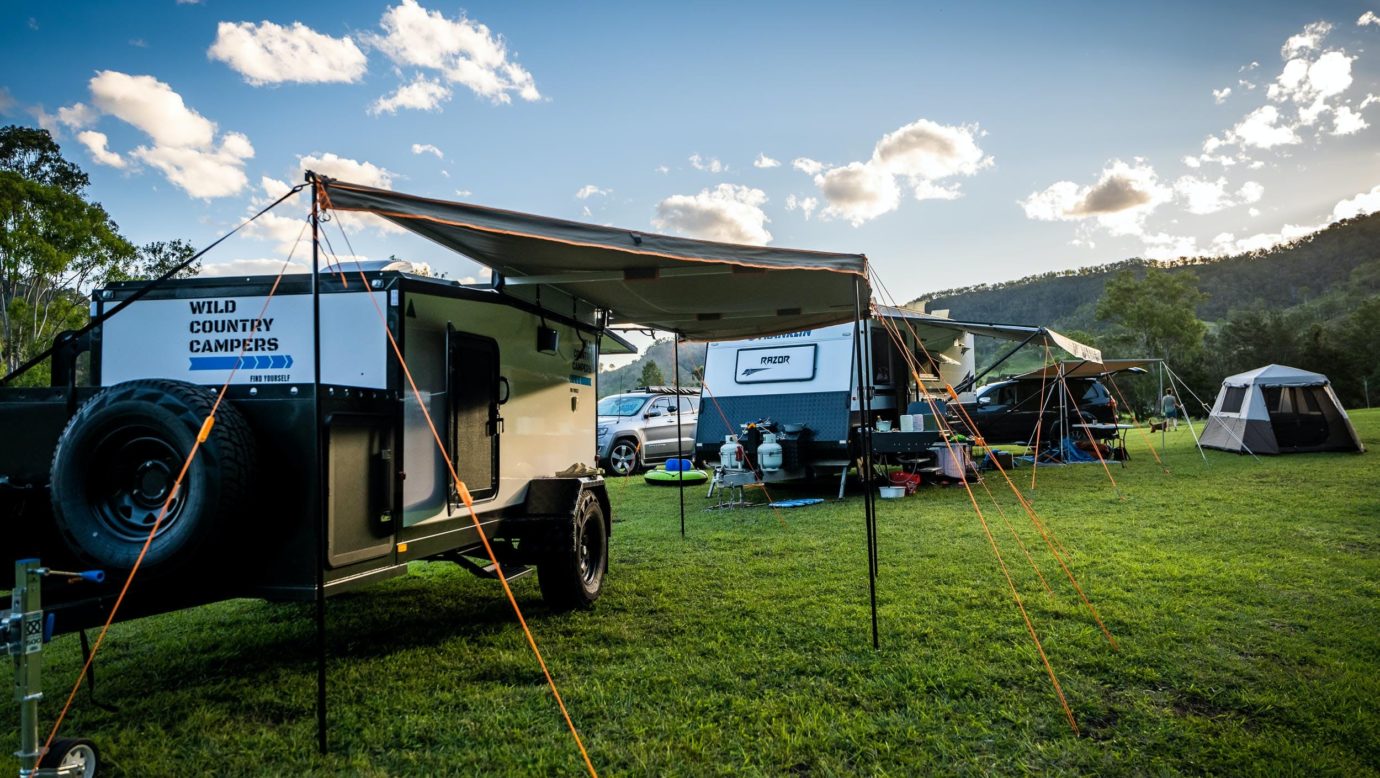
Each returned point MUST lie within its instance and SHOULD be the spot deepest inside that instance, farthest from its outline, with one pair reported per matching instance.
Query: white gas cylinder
(729, 458)
(769, 453)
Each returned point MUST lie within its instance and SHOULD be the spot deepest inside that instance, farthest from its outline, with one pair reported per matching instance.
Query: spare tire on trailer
(118, 459)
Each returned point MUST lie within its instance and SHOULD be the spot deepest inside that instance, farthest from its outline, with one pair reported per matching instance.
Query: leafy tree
(1156, 315)
(54, 244)
(651, 374)
(156, 258)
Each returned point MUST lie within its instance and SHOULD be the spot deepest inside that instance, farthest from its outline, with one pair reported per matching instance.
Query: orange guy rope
(474, 517)
(201, 437)
(1011, 585)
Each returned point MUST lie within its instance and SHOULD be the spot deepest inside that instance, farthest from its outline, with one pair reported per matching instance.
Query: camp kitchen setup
(348, 393)
(787, 407)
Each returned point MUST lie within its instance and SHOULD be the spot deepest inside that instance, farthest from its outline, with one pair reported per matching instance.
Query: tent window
(1232, 402)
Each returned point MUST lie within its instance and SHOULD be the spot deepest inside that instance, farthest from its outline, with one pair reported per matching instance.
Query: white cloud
(463, 51)
(266, 53)
(728, 213)
(922, 153)
(763, 161)
(858, 192)
(1368, 17)
(423, 94)
(1253, 212)
(95, 143)
(1201, 195)
(346, 169)
(590, 190)
(1360, 205)
(1370, 98)
(151, 106)
(185, 147)
(925, 151)
(1304, 81)
(1250, 192)
(1220, 96)
(662, 169)
(253, 267)
(1346, 121)
(806, 205)
(202, 172)
(1264, 240)
(1120, 200)
(1311, 38)
(427, 148)
(928, 190)
(707, 164)
(1260, 129)
(1162, 246)
(78, 115)
(1244, 84)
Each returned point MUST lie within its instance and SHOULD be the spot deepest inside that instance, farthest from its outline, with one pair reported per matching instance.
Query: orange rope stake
(474, 517)
(1047, 535)
(202, 435)
(991, 541)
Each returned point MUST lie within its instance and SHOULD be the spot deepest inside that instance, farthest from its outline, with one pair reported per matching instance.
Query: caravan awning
(700, 289)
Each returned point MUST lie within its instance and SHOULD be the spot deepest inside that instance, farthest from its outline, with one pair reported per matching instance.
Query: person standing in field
(1169, 405)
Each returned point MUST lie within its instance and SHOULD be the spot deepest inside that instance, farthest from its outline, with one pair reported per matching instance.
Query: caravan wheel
(572, 573)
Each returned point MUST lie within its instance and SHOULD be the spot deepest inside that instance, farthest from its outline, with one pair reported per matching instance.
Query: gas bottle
(730, 453)
(769, 453)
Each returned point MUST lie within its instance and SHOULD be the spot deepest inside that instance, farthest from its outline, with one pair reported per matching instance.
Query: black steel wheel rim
(590, 551)
(133, 469)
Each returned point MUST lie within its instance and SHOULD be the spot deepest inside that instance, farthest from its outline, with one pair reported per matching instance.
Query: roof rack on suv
(668, 390)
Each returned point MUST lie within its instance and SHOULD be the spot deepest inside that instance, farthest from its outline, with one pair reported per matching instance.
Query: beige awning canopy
(700, 289)
(1081, 369)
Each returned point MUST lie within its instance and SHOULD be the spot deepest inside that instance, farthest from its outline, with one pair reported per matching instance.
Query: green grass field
(1245, 596)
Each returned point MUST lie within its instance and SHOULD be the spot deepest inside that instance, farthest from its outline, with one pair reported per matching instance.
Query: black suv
(1007, 411)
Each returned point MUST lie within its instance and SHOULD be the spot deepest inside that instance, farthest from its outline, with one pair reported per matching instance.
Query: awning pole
(863, 384)
(321, 475)
(680, 439)
(1159, 400)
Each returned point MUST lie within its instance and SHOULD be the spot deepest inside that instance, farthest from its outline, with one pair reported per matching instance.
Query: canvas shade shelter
(1084, 369)
(1279, 410)
(703, 290)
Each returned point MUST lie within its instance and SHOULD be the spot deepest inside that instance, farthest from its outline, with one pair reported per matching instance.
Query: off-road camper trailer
(321, 471)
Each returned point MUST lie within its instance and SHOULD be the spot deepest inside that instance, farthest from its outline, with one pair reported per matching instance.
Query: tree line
(56, 245)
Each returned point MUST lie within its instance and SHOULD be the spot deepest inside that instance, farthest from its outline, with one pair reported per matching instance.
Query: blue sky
(953, 144)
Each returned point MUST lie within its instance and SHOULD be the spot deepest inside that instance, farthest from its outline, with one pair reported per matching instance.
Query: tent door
(1296, 416)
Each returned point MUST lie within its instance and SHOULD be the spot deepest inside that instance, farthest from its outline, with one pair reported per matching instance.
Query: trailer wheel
(77, 755)
(118, 459)
(624, 456)
(572, 573)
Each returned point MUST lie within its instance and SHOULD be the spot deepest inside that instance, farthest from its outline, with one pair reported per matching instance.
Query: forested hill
(1342, 260)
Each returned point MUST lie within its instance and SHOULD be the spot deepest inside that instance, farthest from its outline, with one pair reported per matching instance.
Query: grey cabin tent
(1279, 410)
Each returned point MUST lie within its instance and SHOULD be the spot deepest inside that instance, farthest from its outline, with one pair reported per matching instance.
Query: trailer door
(474, 420)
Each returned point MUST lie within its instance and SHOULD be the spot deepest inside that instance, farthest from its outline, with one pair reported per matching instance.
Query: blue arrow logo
(256, 362)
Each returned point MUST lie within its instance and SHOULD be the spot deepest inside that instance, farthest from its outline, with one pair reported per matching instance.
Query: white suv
(639, 428)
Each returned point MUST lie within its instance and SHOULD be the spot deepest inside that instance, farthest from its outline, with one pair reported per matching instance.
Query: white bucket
(891, 492)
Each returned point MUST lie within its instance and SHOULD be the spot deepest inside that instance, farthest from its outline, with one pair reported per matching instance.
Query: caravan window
(1232, 402)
